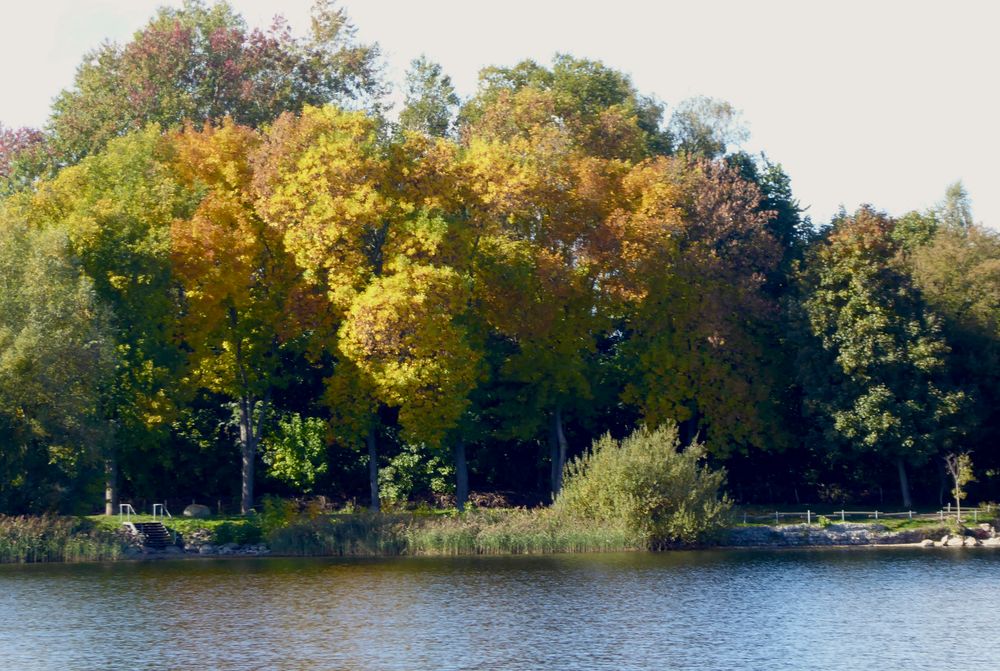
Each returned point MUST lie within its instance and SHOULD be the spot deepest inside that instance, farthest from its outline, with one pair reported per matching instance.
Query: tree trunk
(904, 484)
(557, 450)
(110, 485)
(461, 476)
(373, 469)
(248, 450)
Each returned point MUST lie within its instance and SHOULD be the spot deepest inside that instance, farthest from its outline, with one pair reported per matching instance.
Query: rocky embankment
(805, 535)
(196, 543)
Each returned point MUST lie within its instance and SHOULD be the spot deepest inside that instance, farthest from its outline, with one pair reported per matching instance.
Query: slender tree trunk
(904, 483)
(248, 450)
(557, 450)
(110, 485)
(373, 469)
(461, 475)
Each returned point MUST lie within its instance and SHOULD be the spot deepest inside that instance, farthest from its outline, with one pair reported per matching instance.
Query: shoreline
(190, 557)
(353, 538)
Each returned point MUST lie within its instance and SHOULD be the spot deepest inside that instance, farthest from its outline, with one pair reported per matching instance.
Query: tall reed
(50, 538)
(477, 532)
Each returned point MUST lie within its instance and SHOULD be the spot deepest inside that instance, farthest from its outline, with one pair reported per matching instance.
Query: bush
(246, 532)
(645, 485)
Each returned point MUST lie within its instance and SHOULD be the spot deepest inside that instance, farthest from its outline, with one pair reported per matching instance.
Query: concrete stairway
(156, 535)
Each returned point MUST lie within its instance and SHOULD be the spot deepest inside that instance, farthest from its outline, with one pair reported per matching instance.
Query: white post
(808, 517)
(876, 515)
(776, 517)
(911, 514)
(842, 515)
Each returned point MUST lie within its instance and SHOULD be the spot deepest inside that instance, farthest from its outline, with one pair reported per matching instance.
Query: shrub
(278, 513)
(245, 532)
(646, 485)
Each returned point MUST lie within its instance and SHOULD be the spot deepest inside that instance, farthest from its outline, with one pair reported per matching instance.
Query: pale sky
(885, 102)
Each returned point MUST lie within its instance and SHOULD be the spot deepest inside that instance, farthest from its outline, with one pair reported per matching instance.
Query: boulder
(927, 543)
(197, 511)
(206, 549)
(953, 541)
(971, 541)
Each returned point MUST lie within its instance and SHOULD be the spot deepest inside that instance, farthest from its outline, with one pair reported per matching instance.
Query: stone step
(155, 534)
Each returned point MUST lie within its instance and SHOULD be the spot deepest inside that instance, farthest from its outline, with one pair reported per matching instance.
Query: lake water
(852, 609)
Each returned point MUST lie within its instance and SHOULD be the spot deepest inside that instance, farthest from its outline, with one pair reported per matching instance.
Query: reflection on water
(831, 609)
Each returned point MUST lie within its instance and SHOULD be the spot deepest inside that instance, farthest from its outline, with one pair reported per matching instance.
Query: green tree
(430, 102)
(57, 357)
(295, 450)
(955, 211)
(707, 127)
(874, 375)
(958, 272)
(117, 208)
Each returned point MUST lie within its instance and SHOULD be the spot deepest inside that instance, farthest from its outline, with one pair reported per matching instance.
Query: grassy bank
(365, 534)
(478, 532)
(56, 539)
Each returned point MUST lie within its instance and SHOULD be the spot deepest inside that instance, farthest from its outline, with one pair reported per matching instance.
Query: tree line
(225, 266)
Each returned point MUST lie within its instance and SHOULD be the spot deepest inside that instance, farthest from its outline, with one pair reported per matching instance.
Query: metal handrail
(126, 510)
(160, 510)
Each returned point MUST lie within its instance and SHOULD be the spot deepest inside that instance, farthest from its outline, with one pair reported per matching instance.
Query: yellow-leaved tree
(240, 287)
(372, 223)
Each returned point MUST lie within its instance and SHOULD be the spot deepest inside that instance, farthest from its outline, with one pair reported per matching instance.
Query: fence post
(975, 516)
(876, 515)
(808, 517)
(911, 514)
(776, 517)
(744, 517)
(842, 515)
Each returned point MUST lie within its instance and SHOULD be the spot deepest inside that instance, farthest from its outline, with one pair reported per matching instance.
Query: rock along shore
(805, 535)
